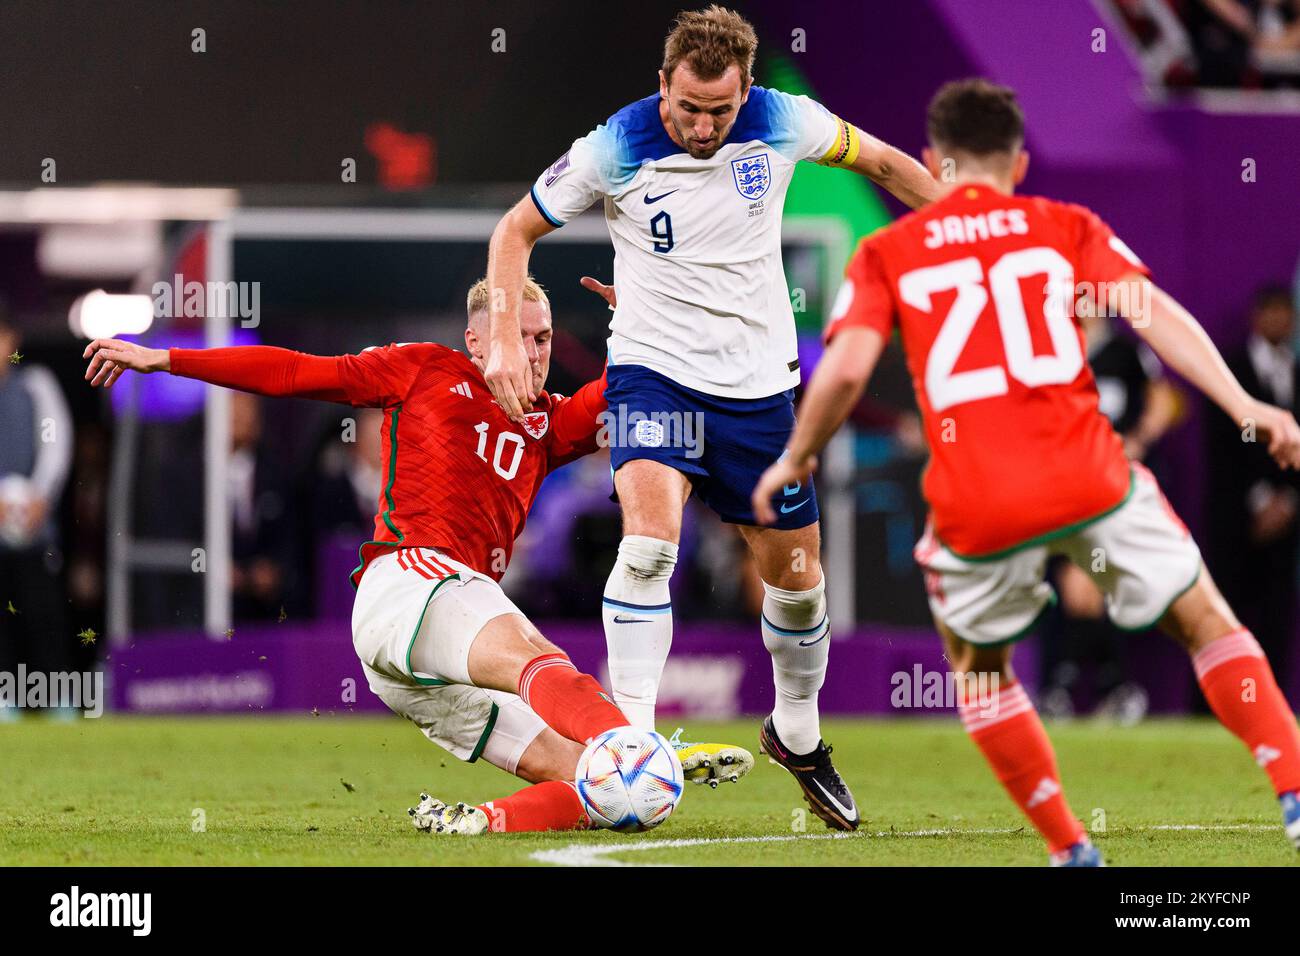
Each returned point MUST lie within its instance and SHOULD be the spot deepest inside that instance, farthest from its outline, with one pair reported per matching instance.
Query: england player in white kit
(703, 355)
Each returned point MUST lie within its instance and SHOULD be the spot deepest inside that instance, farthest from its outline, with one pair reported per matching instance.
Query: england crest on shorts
(649, 433)
(752, 176)
(537, 423)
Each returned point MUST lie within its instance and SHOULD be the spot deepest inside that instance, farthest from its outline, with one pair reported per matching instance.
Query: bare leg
(509, 654)
(503, 649)
(1200, 616)
(549, 757)
(652, 497)
(786, 559)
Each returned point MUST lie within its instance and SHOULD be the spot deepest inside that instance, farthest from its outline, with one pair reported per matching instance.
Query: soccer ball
(629, 779)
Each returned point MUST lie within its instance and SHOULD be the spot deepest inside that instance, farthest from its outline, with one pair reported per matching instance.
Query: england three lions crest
(752, 176)
(537, 424)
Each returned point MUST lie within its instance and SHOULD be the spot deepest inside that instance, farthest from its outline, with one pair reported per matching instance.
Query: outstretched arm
(261, 369)
(1180, 342)
(836, 385)
(892, 169)
(508, 374)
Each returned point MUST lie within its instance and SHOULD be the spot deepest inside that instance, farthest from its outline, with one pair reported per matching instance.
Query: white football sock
(638, 617)
(796, 632)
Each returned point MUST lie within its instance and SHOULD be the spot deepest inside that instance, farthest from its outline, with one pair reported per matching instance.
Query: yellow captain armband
(845, 150)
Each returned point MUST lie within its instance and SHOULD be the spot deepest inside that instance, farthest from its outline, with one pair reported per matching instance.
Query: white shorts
(421, 592)
(1140, 555)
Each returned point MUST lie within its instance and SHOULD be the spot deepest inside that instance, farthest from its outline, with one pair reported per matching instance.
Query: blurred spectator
(722, 582)
(1242, 42)
(344, 492)
(261, 543)
(35, 455)
(561, 560)
(1216, 43)
(1253, 532)
(350, 480)
(86, 539)
(1141, 405)
(1166, 49)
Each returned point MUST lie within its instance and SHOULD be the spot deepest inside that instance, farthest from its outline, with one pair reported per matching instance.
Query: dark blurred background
(345, 163)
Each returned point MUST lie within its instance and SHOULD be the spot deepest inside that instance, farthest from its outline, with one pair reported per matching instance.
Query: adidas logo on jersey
(1046, 789)
(462, 389)
(1265, 755)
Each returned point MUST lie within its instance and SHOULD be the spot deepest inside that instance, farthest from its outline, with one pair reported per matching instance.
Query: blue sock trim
(641, 608)
(787, 633)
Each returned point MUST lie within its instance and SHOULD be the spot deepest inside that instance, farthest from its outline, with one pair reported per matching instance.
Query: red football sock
(572, 704)
(1007, 730)
(1240, 687)
(553, 805)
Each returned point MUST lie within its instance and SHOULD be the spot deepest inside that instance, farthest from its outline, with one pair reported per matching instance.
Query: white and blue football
(629, 779)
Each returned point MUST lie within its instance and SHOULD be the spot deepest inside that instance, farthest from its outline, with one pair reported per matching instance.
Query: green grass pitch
(333, 790)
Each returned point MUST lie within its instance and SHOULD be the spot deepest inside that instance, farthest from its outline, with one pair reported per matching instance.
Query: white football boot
(434, 816)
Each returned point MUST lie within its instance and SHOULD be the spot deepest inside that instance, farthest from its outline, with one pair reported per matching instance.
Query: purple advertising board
(715, 671)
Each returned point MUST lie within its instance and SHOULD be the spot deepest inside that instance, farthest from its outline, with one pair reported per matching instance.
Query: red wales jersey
(459, 475)
(981, 287)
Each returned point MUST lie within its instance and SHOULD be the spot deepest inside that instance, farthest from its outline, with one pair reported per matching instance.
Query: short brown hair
(976, 117)
(709, 41)
(479, 297)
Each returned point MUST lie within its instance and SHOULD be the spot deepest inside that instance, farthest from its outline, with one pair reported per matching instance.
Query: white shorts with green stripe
(422, 593)
(1139, 554)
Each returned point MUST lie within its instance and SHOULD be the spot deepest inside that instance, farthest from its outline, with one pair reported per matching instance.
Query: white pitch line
(1211, 826)
(583, 854)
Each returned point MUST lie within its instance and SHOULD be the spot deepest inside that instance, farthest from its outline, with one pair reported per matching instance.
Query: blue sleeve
(797, 127)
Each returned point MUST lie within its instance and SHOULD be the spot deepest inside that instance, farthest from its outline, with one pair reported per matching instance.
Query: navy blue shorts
(722, 445)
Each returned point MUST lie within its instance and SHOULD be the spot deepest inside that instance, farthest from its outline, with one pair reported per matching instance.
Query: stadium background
(229, 163)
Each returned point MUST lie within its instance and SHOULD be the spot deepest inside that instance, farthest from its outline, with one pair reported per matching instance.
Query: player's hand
(509, 376)
(1278, 428)
(109, 358)
(786, 471)
(606, 292)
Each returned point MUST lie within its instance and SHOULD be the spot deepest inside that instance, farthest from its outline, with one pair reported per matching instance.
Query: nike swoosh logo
(825, 634)
(649, 199)
(786, 509)
(620, 619)
(848, 814)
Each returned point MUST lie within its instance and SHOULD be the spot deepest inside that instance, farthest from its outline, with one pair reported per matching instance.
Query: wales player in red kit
(982, 286)
(439, 641)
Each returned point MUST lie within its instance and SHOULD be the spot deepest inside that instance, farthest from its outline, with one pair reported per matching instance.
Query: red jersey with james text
(981, 287)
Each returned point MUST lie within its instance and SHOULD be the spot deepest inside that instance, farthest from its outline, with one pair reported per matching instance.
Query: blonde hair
(709, 41)
(479, 297)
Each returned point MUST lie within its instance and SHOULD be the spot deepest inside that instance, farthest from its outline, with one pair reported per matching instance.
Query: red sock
(1007, 730)
(553, 805)
(1240, 687)
(572, 704)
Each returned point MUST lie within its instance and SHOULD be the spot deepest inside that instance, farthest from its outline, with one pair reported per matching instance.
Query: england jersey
(702, 296)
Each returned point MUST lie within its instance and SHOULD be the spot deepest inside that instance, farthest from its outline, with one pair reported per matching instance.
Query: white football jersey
(702, 296)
